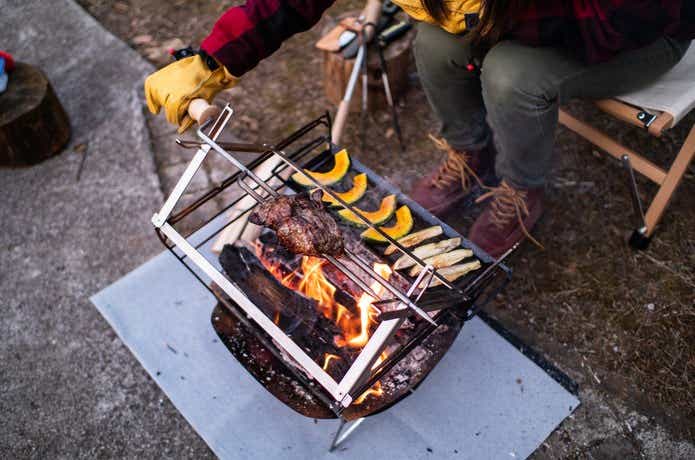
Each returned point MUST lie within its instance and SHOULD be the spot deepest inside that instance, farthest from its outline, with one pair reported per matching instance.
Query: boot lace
(455, 167)
(508, 203)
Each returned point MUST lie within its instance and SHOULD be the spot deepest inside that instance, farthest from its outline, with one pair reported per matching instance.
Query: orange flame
(310, 280)
(327, 359)
(376, 389)
(365, 304)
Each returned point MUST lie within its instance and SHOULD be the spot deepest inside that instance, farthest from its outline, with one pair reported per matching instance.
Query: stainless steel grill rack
(361, 374)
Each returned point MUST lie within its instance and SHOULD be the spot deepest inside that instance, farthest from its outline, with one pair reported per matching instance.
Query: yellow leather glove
(176, 85)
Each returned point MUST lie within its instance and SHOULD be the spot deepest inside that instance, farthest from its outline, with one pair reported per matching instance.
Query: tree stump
(33, 123)
(337, 69)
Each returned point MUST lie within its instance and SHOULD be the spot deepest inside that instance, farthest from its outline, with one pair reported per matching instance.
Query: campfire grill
(311, 148)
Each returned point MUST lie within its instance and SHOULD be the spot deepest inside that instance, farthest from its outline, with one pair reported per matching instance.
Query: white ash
(299, 390)
(407, 369)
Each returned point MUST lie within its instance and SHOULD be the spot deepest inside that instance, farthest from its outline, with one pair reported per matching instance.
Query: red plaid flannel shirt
(595, 30)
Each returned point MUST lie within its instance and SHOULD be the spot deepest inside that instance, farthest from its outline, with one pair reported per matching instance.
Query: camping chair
(656, 108)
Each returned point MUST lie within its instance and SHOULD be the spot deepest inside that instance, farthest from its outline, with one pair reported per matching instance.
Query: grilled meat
(301, 223)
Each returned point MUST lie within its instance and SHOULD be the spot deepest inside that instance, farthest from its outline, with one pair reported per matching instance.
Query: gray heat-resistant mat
(485, 400)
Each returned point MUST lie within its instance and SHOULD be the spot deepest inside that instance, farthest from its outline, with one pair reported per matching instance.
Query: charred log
(297, 316)
(276, 375)
(271, 372)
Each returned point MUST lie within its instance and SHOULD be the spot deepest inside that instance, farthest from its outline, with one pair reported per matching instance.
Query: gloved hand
(176, 85)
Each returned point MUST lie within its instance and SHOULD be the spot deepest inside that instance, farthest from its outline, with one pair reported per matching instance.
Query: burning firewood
(297, 315)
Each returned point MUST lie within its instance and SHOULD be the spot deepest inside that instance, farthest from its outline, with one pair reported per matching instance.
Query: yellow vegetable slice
(335, 175)
(359, 187)
(403, 226)
(381, 215)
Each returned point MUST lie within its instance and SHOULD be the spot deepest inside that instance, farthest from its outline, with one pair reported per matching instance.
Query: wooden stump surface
(33, 123)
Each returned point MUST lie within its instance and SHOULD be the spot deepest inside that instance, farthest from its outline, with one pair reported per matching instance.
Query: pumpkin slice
(442, 260)
(453, 273)
(425, 251)
(403, 226)
(359, 187)
(381, 215)
(335, 175)
(415, 238)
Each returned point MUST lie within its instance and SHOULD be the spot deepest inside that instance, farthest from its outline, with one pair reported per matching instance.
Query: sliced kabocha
(453, 273)
(403, 226)
(443, 260)
(381, 215)
(425, 251)
(335, 175)
(359, 187)
(415, 238)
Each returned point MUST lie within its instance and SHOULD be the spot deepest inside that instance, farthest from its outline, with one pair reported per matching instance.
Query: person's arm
(240, 39)
(247, 34)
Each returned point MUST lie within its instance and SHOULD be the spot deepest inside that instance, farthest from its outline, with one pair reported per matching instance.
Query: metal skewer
(389, 94)
(364, 220)
(359, 262)
(384, 282)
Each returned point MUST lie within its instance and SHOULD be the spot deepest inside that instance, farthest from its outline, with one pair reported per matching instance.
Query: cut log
(33, 123)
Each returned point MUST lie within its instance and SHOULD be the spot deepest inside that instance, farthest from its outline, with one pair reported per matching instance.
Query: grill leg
(344, 431)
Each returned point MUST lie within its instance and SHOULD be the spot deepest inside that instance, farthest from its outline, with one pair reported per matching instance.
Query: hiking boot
(507, 219)
(452, 182)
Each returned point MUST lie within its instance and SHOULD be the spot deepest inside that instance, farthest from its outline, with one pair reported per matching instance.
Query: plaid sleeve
(597, 30)
(246, 34)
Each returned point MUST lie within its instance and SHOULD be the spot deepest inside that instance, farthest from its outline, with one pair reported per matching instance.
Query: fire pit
(328, 336)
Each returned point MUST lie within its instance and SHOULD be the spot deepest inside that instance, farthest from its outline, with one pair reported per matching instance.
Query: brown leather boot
(507, 219)
(453, 181)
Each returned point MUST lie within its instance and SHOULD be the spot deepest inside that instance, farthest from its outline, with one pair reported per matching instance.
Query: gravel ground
(621, 323)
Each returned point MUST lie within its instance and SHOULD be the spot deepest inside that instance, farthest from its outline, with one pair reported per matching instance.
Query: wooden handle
(372, 13)
(339, 121)
(201, 111)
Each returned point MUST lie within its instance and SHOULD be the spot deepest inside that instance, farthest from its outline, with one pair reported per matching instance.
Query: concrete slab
(485, 399)
(69, 388)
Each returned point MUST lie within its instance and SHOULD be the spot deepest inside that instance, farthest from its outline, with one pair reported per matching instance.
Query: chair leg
(670, 183)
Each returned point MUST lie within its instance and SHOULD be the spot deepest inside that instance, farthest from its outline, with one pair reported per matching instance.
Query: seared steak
(301, 223)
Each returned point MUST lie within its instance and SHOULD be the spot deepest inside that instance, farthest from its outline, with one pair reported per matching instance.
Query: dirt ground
(619, 322)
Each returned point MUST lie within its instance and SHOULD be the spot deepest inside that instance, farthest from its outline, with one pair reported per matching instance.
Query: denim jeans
(515, 100)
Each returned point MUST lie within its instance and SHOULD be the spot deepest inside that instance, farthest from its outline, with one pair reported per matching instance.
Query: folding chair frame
(667, 180)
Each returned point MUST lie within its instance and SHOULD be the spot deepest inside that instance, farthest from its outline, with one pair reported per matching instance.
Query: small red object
(470, 67)
(171, 51)
(9, 61)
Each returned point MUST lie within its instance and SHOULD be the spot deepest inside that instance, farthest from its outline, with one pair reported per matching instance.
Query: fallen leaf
(142, 39)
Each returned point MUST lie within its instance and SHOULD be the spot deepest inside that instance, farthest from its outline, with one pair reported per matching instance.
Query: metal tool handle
(371, 15)
(634, 193)
(201, 111)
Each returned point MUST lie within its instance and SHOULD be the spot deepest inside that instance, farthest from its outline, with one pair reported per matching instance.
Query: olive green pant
(515, 99)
